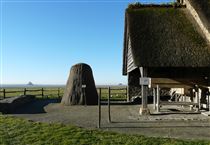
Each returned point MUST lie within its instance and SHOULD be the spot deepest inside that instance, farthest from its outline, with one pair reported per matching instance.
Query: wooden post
(58, 92)
(158, 98)
(126, 92)
(4, 93)
(24, 91)
(109, 115)
(199, 98)
(85, 97)
(209, 102)
(144, 110)
(154, 99)
(99, 109)
(42, 92)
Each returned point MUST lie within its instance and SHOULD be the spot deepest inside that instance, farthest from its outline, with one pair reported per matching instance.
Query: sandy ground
(125, 119)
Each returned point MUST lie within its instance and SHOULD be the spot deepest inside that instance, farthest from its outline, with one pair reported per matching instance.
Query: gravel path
(125, 119)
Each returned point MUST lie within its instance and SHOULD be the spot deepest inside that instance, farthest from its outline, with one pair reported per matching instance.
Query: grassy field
(18, 131)
(116, 92)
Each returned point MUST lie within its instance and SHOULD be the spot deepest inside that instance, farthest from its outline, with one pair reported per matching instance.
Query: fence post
(58, 92)
(24, 91)
(4, 93)
(99, 109)
(42, 92)
(109, 116)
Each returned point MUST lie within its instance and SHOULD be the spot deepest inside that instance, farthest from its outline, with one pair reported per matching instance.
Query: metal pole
(109, 116)
(99, 108)
(158, 99)
(154, 98)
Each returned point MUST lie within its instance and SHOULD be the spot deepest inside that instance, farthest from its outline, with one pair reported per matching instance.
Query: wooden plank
(13, 91)
(178, 82)
(172, 83)
(164, 81)
(34, 90)
(131, 68)
(130, 61)
(177, 103)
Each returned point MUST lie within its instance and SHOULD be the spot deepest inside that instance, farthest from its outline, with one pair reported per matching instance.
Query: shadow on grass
(35, 107)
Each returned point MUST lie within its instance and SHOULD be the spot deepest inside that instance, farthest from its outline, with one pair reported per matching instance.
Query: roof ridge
(140, 5)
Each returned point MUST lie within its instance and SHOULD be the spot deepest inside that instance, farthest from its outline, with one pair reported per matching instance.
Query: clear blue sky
(40, 41)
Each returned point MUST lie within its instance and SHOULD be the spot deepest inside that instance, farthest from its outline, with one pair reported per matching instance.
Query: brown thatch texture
(203, 8)
(165, 37)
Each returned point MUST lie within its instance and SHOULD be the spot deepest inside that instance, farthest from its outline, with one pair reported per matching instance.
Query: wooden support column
(144, 110)
(208, 112)
(158, 99)
(154, 98)
(128, 89)
(209, 102)
(199, 98)
(127, 94)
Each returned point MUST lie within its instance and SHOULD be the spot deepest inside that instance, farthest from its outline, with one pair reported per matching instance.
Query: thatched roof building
(168, 41)
(202, 7)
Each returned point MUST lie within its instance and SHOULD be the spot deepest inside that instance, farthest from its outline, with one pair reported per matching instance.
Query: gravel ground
(125, 119)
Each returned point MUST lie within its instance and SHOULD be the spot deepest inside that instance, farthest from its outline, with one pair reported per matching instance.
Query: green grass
(18, 131)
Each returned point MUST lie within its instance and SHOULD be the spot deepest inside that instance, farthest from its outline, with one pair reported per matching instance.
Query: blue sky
(41, 40)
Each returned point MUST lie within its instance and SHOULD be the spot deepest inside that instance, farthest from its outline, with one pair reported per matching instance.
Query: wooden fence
(116, 93)
(43, 92)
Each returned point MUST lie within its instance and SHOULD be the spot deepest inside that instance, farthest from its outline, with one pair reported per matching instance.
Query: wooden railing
(43, 92)
(115, 93)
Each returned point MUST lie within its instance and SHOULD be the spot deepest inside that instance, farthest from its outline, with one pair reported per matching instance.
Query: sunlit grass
(18, 131)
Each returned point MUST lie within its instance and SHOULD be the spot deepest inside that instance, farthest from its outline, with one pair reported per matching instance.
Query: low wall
(8, 105)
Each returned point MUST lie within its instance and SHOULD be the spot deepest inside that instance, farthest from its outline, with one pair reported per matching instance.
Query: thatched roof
(164, 37)
(203, 8)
